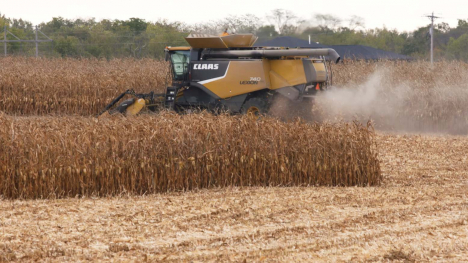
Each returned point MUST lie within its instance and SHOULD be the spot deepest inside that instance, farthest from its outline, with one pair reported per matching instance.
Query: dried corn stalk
(43, 157)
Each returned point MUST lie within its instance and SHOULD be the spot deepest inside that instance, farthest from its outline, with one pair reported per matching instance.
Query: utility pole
(432, 17)
(37, 45)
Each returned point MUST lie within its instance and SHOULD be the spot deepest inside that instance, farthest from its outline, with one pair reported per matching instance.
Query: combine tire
(255, 106)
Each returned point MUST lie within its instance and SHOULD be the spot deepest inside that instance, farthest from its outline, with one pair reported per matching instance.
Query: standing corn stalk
(46, 157)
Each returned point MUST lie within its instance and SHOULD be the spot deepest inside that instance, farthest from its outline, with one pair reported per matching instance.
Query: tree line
(139, 38)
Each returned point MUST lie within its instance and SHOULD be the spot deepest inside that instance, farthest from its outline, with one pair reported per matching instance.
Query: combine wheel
(255, 106)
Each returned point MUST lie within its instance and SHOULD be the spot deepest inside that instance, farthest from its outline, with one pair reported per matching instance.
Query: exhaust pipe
(330, 53)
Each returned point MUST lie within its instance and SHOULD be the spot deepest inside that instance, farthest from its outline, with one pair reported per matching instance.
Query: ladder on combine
(171, 93)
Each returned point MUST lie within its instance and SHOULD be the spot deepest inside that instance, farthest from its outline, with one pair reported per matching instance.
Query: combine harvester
(226, 72)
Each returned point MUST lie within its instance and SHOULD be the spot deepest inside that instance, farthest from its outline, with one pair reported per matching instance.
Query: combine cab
(227, 72)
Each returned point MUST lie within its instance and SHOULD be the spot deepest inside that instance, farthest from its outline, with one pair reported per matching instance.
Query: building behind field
(354, 52)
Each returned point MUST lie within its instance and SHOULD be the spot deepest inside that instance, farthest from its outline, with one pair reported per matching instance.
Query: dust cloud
(389, 102)
(396, 107)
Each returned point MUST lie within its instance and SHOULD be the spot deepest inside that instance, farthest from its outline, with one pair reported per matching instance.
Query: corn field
(50, 146)
(417, 74)
(44, 157)
(416, 95)
(73, 86)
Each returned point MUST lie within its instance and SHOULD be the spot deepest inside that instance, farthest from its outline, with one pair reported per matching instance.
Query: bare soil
(419, 213)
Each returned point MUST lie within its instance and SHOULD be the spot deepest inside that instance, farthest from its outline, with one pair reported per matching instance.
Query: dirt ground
(420, 213)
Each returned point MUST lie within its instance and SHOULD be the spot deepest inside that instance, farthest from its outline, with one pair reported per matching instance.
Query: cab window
(180, 61)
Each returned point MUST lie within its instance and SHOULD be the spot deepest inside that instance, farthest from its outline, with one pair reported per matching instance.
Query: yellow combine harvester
(227, 72)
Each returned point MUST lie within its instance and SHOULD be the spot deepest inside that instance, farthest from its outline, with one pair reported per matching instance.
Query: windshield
(180, 61)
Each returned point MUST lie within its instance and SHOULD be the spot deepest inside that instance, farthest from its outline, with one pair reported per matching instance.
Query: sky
(403, 15)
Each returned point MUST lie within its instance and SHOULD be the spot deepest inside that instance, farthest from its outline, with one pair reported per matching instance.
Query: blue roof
(357, 52)
(288, 42)
(366, 53)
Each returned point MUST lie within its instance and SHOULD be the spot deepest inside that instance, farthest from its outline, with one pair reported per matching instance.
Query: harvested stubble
(418, 214)
(45, 157)
(31, 86)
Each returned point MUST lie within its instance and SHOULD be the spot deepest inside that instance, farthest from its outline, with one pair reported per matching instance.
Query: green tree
(164, 33)
(3, 22)
(66, 46)
(266, 32)
(458, 48)
(136, 25)
(138, 38)
(417, 44)
(462, 23)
